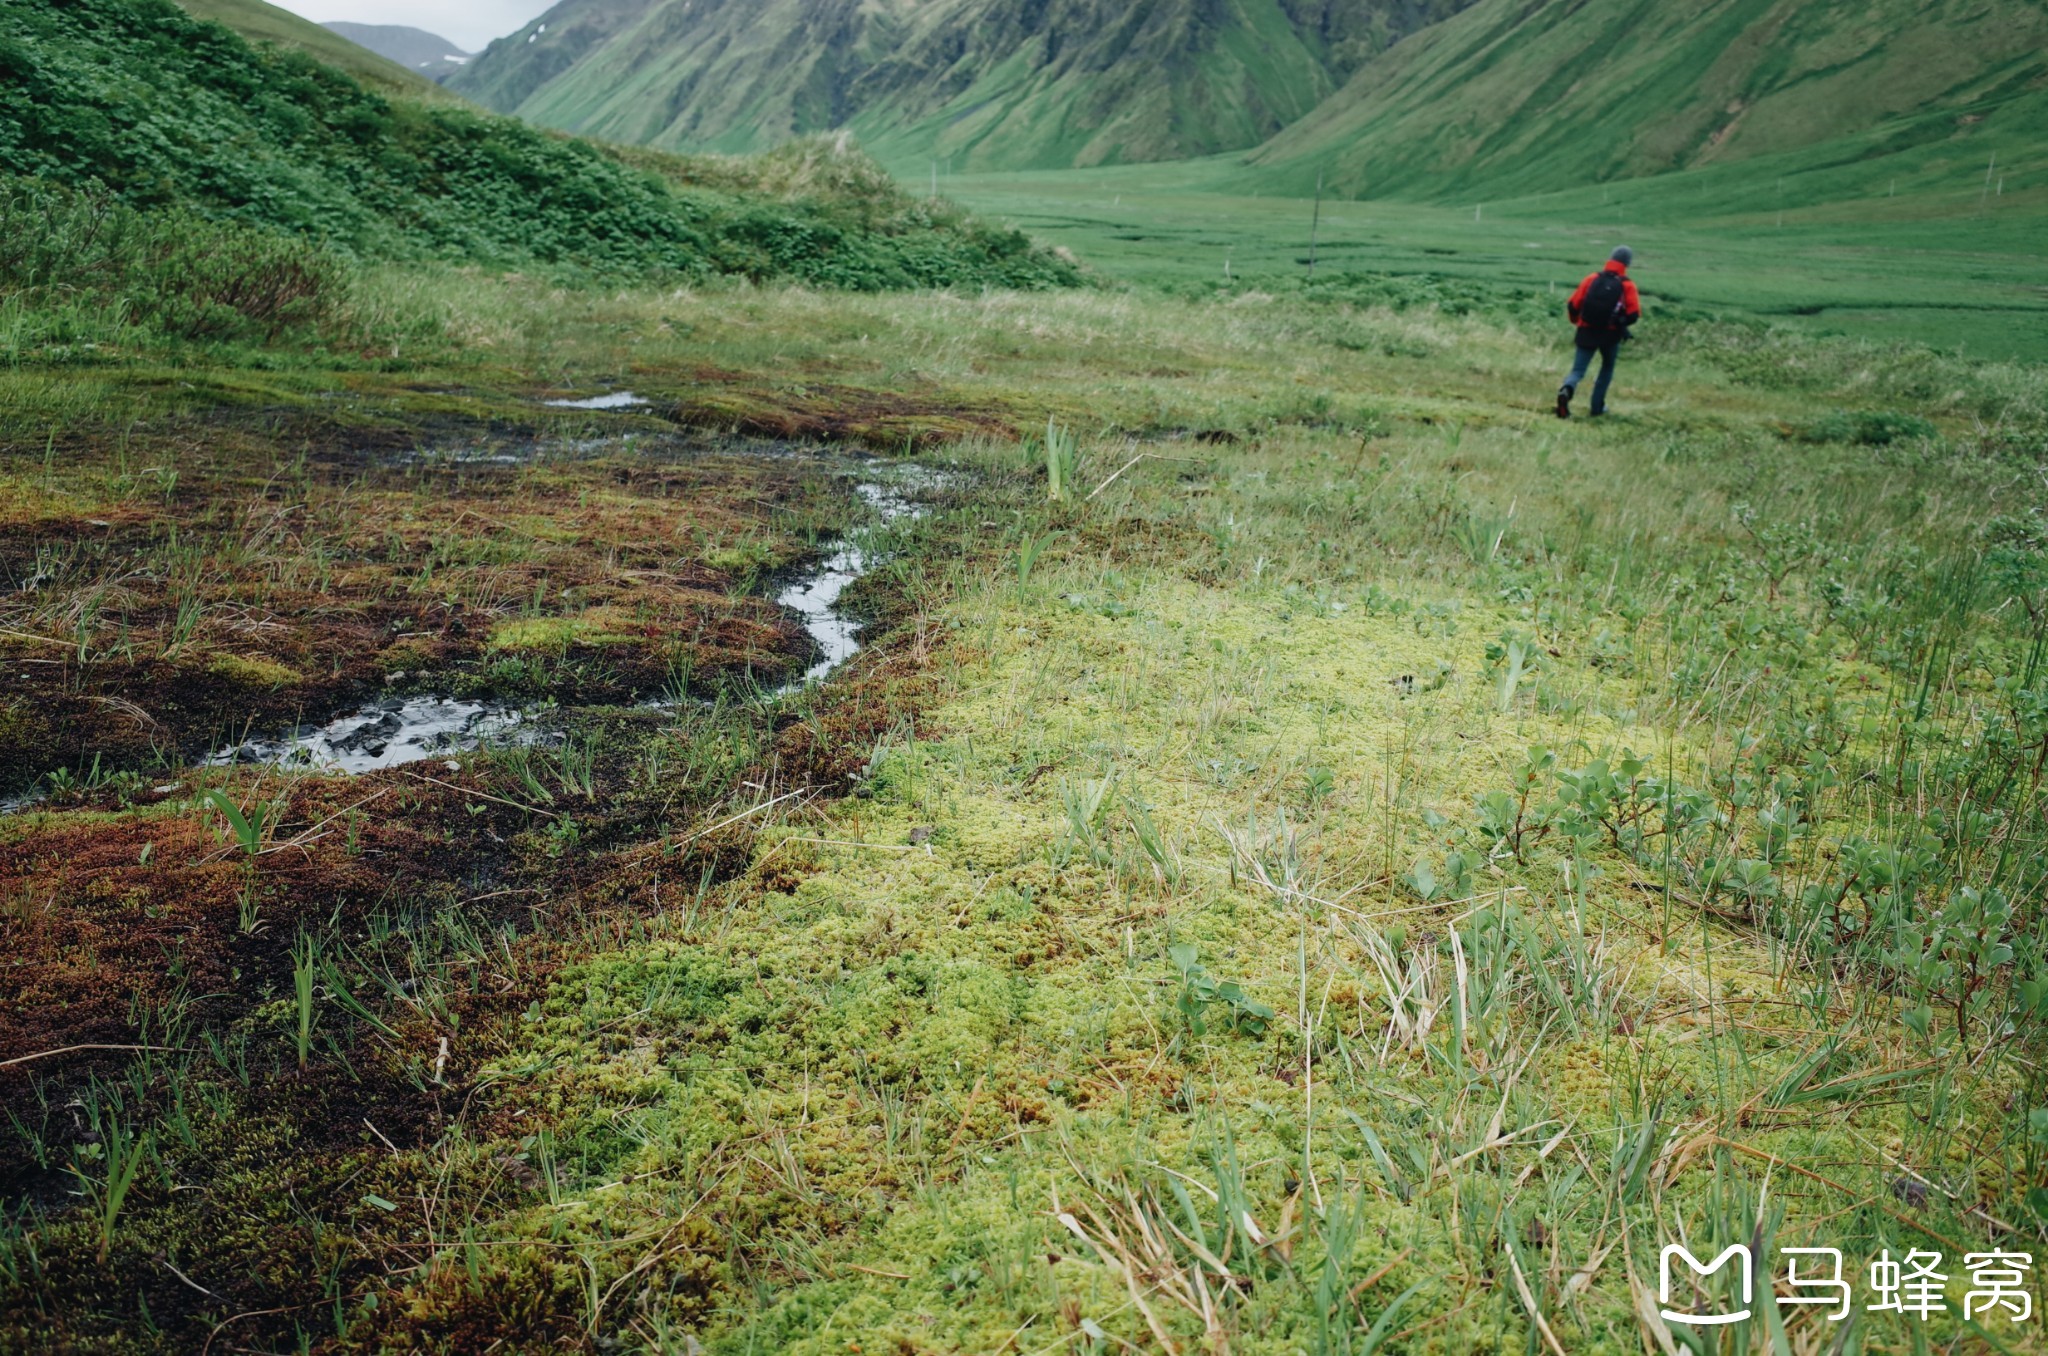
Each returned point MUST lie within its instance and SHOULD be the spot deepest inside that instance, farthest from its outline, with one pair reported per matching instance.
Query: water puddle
(613, 400)
(815, 595)
(815, 598)
(397, 731)
(389, 733)
(517, 452)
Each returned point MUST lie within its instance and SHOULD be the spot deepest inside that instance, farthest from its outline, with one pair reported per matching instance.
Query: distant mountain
(983, 84)
(260, 22)
(413, 48)
(1533, 96)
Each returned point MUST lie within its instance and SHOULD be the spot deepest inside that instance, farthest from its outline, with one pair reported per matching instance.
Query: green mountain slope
(982, 83)
(260, 22)
(1528, 96)
(513, 69)
(417, 50)
(176, 115)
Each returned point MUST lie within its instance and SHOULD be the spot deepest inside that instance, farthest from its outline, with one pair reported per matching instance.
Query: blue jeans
(1608, 346)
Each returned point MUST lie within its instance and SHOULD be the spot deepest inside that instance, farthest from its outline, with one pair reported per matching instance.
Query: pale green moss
(252, 670)
(24, 501)
(598, 626)
(746, 557)
(932, 1031)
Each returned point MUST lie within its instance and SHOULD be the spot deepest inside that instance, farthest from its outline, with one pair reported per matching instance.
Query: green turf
(1939, 271)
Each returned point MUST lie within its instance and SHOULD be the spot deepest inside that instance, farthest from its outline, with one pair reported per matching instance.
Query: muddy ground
(147, 616)
(295, 978)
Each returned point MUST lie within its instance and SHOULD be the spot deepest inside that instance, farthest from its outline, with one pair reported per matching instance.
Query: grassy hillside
(979, 83)
(260, 22)
(169, 113)
(1514, 97)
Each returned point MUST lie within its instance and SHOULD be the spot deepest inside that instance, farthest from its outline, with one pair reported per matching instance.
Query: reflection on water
(614, 400)
(815, 595)
(389, 733)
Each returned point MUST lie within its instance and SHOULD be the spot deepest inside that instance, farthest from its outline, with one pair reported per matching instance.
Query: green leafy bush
(81, 266)
(1867, 428)
(172, 114)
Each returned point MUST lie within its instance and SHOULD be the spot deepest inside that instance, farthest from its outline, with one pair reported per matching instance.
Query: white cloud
(469, 24)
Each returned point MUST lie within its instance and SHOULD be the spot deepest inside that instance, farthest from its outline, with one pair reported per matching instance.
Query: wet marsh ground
(1360, 872)
(183, 590)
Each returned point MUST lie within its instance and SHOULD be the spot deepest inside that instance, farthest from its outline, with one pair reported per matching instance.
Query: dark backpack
(1606, 303)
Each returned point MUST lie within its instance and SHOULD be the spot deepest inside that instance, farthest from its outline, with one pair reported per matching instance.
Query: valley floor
(1952, 275)
(1315, 854)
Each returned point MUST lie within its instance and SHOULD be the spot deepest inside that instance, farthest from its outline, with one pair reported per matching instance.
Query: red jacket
(1631, 303)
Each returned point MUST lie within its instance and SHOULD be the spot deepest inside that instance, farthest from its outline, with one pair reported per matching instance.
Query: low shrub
(1867, 428)
(81, 266)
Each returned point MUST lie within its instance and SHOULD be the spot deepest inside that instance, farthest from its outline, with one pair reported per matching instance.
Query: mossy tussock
(953, 1008)
(941, 1083)
(321, 900)
(884, 420)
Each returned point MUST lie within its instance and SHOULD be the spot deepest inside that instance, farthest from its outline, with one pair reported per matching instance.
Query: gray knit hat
(1623, 255)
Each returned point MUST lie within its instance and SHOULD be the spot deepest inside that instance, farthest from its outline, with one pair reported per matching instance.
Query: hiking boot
(1564, 402)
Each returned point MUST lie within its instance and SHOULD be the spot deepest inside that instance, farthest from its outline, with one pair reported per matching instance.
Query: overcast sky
(469, 24)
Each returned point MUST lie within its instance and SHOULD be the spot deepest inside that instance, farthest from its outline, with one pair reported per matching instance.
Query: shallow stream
(394, 731)
(815, 594)
(615, 400)
(387, 733)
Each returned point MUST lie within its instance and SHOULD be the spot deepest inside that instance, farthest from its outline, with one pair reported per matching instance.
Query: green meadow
(1959, 270)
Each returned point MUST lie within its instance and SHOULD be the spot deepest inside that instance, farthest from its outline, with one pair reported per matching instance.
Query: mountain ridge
(1443, 99)
(416, 49)
(978, 83)
(1512, 97)
(265, 23)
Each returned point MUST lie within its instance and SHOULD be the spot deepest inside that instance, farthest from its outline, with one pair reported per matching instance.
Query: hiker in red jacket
(1603, 308)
